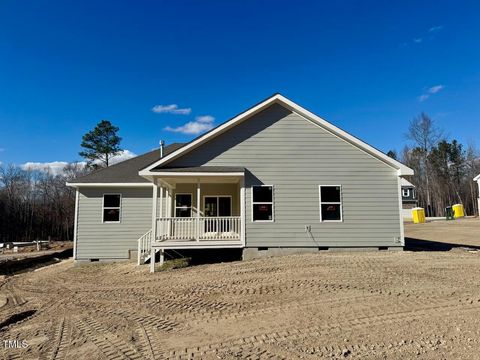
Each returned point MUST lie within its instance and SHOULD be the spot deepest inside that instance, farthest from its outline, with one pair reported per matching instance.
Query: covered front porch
(200, 209)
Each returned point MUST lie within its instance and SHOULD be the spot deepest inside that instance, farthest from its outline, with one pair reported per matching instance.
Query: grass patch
(174, 264)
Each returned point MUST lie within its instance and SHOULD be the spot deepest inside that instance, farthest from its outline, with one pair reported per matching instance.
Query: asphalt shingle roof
(126, 171)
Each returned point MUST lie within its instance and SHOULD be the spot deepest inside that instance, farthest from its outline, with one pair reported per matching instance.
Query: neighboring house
(409, 198)
(273, 179)
(477, 179)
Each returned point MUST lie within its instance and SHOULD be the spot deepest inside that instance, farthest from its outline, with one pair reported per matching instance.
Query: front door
(217, 206)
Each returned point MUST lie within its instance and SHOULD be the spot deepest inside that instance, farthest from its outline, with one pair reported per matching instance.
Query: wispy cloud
(428, 35)
(434, 29)
(57, 167)
(171, 109)
(430, 91)
(201, 124)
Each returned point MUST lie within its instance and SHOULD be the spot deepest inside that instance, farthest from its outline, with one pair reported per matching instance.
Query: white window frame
(112, 207)
(263, 202)
(329, 202)
(406, 192)
(179, 207)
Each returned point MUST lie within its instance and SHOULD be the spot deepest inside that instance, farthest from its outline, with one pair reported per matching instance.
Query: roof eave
(78, 185)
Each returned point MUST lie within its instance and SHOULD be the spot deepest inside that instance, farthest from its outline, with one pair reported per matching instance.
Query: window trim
(175, 205)
(218, 196)
(263, 202)
(112, 207)
(330, 202)
(407, 192)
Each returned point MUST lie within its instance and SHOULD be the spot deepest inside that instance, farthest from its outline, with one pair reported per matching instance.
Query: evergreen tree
(101, 144)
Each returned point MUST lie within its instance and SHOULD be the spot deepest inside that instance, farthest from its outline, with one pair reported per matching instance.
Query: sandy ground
(373, 305)
(460, 232)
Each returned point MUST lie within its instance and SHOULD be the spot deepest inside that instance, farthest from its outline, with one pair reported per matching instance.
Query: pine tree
(101, 144)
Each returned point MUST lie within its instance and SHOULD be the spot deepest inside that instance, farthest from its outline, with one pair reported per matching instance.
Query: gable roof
(405, 182)
(283, 101)
(125, 172)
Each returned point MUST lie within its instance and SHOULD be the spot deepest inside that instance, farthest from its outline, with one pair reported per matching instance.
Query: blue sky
(366, 66)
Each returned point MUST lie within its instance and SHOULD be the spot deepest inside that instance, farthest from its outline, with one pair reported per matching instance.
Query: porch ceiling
(203, 174)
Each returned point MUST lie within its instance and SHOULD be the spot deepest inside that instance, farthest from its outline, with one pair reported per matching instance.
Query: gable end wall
(280, 148)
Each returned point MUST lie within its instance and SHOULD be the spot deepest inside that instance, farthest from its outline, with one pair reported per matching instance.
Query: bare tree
(424, 134)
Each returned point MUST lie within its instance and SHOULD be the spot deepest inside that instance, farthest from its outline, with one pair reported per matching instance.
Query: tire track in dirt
(293, 333)
(108, 344)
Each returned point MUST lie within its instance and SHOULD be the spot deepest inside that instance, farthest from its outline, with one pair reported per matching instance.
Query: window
(330, 203)
(217, 206)
(183, 205)
(262, 203)
(405, 192)
(111, 208)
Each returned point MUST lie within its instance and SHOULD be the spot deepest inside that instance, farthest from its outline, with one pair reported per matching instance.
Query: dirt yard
(374, 305)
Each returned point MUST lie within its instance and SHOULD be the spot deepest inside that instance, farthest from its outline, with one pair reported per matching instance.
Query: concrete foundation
(258, 253)
(132, 256)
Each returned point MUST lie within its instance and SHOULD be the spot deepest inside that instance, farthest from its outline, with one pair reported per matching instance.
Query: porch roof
(197, 170)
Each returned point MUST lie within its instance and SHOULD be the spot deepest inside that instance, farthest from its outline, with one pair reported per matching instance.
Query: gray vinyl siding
(280, 148)
(98, 240)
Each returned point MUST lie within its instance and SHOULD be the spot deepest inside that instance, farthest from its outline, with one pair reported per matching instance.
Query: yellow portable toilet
(458, 211)
(418, 215)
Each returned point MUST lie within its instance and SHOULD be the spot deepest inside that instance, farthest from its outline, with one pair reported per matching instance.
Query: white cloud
(56, 167)
(171, 109)
(435, 89)
(429, 35)
(430, 91)
(201, 124)
(435, 28)
(124, 155)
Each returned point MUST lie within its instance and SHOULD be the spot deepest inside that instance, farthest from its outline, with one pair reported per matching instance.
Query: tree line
(444, 169)
(36, 204)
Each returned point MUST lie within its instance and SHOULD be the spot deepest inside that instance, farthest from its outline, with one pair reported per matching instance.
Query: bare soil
(374, 305)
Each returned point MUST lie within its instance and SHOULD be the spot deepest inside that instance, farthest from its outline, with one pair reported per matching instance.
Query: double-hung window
(111, 208)
(406, 192)
(262, 203)
(183, 205)
(330, 203)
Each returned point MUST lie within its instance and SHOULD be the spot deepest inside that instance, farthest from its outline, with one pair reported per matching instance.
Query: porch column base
(162, 256)
(152, 260)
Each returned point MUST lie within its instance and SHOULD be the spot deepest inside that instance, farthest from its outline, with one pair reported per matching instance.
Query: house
(477, 179)
(409, 197)
(275, 179)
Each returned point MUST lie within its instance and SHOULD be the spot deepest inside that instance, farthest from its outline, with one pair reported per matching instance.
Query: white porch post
(154, 226)
(160, 212)
(242, 210)
(168, 209)
(160, 224)
(154, 210)
(198, 209)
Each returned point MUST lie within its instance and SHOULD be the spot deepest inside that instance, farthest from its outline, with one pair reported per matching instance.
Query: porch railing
(144, 247)
(199, 228)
